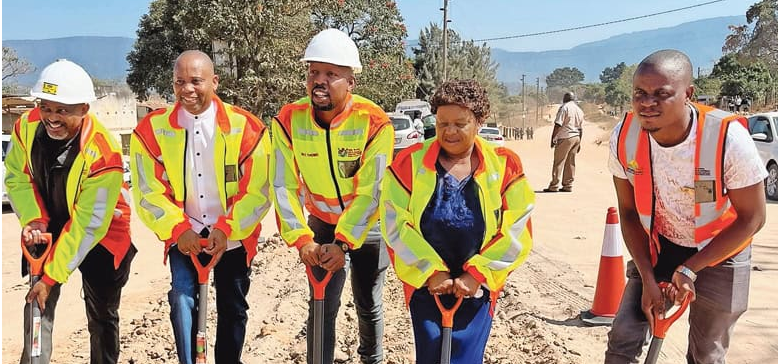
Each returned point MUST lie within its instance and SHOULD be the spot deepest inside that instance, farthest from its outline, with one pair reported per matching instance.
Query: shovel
(35, 269)
(661, 325)
(447, 322)
(202, 302)
(318, 312)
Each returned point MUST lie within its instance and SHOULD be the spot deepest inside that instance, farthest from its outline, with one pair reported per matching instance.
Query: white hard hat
(65, 82)
(335, 47)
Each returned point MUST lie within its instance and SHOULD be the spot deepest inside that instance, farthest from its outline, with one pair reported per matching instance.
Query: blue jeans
(472, 325)
(368, 271)
(231, 279)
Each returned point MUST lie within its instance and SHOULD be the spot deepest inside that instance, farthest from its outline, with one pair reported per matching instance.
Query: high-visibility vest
(334, 172)
(241, 152)
(95, 192)
(711, 216)
(506, 200)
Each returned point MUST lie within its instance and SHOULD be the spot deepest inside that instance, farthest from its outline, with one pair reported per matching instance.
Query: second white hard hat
(335, 47)
(65, 82)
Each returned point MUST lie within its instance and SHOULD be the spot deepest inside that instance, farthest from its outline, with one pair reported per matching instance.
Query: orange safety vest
(712, 209)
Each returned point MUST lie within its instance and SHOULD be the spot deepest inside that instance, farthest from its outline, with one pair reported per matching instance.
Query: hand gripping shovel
(202, 302)
(662, 325)
(35, 269)
(318, 312)
(447, 322)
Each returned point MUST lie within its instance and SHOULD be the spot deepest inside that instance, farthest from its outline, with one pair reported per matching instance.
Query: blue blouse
(453, 223)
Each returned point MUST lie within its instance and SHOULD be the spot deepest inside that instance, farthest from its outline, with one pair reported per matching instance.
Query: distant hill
(701, 40)
(102, 57)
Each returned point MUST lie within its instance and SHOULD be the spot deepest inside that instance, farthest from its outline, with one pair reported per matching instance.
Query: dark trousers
(368, 271)
(102, 287)
(231, 280)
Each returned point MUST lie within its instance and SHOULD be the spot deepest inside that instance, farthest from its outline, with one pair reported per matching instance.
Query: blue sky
(472, 19)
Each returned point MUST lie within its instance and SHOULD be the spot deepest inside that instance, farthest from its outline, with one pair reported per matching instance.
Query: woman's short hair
(466, 93)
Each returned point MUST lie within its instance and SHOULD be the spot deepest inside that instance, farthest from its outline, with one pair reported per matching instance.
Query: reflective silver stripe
(142, 184)
(324, 207)
(284, 206)
(702, 244)
(100, 213)
(645, 220)
(151, 208)
(708, 161)
(380, 168)
(631, 145)
(310, 132)
(165, 132)
(400, 248)
(351, 132)
(514, 250)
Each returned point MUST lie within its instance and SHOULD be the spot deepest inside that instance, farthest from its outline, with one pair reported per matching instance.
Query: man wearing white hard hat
(64, 176)
(330, 164)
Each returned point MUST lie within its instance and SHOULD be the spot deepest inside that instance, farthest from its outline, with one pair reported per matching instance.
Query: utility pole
(537, 101)
(523, 104)
(445, 39)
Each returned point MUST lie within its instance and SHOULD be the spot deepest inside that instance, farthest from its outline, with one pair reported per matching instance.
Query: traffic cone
(610, 278)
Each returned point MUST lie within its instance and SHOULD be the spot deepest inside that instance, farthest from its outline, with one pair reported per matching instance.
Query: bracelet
(687, 272)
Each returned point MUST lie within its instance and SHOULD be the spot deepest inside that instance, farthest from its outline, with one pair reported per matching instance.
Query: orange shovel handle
(662, 325)
(447, 314)
(318, 285)
(36, 263)
(202, 271)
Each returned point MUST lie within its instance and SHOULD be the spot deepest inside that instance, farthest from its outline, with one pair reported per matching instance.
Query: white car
(492, 135)
(764, 130)
(405, 134)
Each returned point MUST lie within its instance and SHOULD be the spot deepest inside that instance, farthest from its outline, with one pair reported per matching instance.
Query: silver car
(492, 135)
(405, 134)
(764, 130)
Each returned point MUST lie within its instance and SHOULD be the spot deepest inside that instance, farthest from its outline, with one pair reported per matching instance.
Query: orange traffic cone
(610, 278)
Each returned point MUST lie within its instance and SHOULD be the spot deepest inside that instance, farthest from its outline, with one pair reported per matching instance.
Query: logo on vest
(634, 168)
(702, 172)
(349, 152)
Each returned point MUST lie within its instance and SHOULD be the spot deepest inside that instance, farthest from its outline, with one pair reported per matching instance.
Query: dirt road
(536, 320)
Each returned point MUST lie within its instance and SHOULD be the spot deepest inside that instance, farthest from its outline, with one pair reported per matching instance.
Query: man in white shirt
(566, 141)
(690, 188)
(201, 169)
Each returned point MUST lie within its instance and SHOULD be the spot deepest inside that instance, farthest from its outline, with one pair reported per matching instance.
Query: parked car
(6, 146)
(405, 134)
(764, 130)
(492, 135)
(429, 126)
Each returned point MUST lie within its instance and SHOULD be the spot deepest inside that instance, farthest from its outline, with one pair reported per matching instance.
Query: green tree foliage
(564, 77)
(752, 80)
(257, 46)
(757, 41)
(707, 86)
(13, 66)
(465, 60)
(618, 93)
(610, 74)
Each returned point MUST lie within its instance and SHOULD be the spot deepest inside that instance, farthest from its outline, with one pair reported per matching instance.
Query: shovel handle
(318, 285)
(36, 263)
(662, 325)
(202, 270)
(447, 314)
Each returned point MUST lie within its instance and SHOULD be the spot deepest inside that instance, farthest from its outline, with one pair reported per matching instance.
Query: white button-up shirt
(202, 203)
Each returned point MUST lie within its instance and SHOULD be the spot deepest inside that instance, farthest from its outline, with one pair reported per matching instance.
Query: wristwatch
(687, 272)
(343, 246)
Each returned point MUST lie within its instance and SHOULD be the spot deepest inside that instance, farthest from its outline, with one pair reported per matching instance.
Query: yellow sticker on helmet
(49, 88)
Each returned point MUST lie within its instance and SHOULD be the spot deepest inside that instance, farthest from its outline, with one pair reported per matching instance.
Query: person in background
(455, 213)
(566, 141)
(64, 176)
(689, 185)
(200, 169)
(330, 152)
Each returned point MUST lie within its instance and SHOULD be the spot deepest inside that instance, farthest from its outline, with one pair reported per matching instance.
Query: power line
(598, 24)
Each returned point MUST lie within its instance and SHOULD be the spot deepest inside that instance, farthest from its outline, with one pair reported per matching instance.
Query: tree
(752, 80)
(257, 50)
(564, 77)
(618, 93)
(465, 60)
(757, 41)
(610, 74)
(13, 65)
